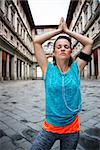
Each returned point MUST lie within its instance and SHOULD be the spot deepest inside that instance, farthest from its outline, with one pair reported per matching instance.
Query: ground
(22, 110)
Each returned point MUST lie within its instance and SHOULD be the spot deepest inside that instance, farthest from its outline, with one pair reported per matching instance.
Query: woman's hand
(64, 27)
(60, 26)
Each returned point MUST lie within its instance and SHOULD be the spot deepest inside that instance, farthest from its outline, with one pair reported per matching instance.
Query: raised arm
(85, 41)
(38, 41)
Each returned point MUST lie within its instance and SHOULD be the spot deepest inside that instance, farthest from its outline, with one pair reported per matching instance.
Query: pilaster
(7, 67)
(1, 78)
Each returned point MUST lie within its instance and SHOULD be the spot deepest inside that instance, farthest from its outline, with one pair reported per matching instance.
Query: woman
(62, 87)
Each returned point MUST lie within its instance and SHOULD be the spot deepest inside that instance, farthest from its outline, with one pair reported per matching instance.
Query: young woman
(62, 88)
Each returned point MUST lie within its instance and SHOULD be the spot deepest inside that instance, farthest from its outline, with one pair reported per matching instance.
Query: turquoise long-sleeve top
(63, 96)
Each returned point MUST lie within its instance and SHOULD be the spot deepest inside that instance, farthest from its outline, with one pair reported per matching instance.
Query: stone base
(1, 78)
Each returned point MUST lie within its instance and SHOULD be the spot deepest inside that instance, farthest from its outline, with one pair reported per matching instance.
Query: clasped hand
(62, 25)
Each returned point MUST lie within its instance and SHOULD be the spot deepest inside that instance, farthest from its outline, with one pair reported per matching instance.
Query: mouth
(63, 54)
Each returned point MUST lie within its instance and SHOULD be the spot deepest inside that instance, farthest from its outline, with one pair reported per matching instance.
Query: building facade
(17, 59)
(84, 17)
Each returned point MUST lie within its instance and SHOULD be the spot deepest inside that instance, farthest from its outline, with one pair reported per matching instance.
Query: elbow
(91, 41)
(35, 40)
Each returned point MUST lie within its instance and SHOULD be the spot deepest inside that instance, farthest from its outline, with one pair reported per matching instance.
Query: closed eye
(59, 46)
(66, 46)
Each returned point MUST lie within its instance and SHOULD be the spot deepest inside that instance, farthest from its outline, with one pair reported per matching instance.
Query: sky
(48, 12)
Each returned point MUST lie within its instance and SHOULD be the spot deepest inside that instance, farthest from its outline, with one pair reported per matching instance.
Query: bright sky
(48, 12)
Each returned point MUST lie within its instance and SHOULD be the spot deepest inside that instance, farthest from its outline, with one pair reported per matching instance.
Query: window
(12, 16)
(5, 32)
(0, 25)
(87, 35)
(24, 34)
(80, 2)
(99, 24)
(80, 22)
(18, 2)
(18, 25)
(92, 7)
(17, 45)
(0, 3)
(20, 47)
(92, 29)
(21, 30)
(86, 14)
(6, 8)
(11, 38)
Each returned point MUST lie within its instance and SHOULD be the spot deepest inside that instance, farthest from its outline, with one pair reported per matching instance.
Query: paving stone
(4, 139)
(3, 126)
(26, 145)
(24, 102)
(7, 146)
(2, 133)
(9, 132)
(20, 148)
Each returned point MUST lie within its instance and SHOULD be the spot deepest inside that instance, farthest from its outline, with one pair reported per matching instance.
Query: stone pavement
(22, 113)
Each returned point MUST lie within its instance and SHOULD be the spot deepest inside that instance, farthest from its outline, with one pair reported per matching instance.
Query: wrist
(59, 30)
(67, 31)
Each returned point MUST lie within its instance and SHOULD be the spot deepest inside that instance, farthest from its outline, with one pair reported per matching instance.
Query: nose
(62, 48)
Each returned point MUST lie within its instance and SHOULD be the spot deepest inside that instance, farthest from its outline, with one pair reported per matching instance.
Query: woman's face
(62, 49)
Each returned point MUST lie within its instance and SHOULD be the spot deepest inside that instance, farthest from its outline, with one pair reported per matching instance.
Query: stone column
(83, 20)
(22, 71)
(9, 12)
(25, 70)
(34, 71)
(92, 64)
(89, 12)
(31, 72)
(98, 63)
(1, 78)
(7, 68)
(88, 70)
(85, 72)
(15, 21)
(3, 5)
(14, 68)
(19, 69)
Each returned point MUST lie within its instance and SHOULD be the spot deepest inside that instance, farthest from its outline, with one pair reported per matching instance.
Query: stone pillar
(31, 71)
(92, 64)
(19, 77)
(83, 20)
(34, 71)
(14, 68)
(9, 12)
(15, 21)
(89, 12)
(1, 78)
(88, 70)
(22, 71)
(3, 5)
(98, 63)
(7, 68)
(25, 70)
(85, 72)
